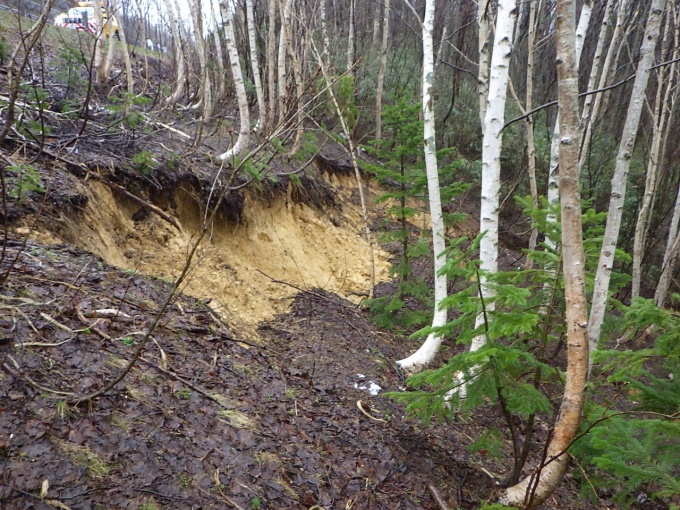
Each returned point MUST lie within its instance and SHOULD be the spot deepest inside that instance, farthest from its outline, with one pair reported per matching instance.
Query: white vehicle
(82, 17)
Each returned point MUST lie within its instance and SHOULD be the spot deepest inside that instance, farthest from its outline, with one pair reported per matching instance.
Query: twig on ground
(437, 497)
(17, 372)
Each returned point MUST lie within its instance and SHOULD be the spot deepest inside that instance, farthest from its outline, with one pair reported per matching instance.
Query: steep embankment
(277, 236)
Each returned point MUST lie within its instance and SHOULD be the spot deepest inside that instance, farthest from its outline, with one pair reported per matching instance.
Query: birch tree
(666, 94)
(670, 257)
(271, 64)
(180, 59)
(237, 75)
(620, 177)
(492, 142)
(595, 102)
(537, 487)
(381, 72)
(205, 99)
(285, 7)
(553, 172)
(101, 73)
(427, 351)
(255, 64)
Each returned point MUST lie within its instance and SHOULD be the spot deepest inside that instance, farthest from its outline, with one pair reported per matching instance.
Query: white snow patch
(369, 386)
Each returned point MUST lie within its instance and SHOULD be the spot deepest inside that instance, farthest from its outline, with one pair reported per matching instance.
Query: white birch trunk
(483, 7)
(553, 171)
(670, 257)
(620, 178)
(381, 72)
(531, 146)
(254, 61)
(123, 42)
(426, 353)
(205, 87)
(221, 71)
(285, 8)
(101, 73)
(350, 37)
(180, 64)
(244, 131)
(590, 114)
(537, 487)
(326, 50)
(491, 153)
(663, 106)
(271, 74)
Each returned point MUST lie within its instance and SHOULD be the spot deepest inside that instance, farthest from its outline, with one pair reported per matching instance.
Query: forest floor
(207, 419)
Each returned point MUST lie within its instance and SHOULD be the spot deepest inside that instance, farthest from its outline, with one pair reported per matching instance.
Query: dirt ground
(205, 420)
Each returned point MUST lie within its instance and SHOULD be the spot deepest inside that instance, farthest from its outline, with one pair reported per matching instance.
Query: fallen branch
(367, 414)
(141, 201)
(282, 282)
(437, 497)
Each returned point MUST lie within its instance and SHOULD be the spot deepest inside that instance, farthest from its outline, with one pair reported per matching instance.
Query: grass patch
(97, 469)
(236, 419)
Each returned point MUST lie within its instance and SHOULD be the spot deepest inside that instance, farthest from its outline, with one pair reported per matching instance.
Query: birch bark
(671, 256)
(254, 62)
(590, 113)
(663, 106)
(271, 75)
(285, 8)
(492, 141)
(244, 131)
(536, 488)
(101, 73)
(381, 72)
(553, 171)
(180, 64)
(427, 351)
(620, 178)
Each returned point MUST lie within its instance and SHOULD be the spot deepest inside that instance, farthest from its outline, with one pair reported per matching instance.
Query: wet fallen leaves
(202, 420)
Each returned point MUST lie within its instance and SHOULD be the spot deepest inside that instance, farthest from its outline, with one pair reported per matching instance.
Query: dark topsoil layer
(203, 420)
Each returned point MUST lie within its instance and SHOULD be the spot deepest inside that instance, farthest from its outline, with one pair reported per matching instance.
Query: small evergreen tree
(401, 171)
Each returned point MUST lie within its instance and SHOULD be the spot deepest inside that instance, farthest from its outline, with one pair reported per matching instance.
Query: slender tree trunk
(381, 72)
(483, 7)
(670, 257)
(536, 488)
(663, 106)
(357, 173)
(326, 50)
(180, 63)
(426, 353)
(237, 75)
(350, 37)
(620, 178)
(101, 73)
(531, 146)
(553, 172)
(125, 50)
(205, 86)
(254, 61)
(220, 71)
(271, 75)
(285, 8)
(598, 101)
(492, 142)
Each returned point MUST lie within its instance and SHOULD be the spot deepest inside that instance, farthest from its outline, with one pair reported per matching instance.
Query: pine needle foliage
(519, 370)
(638, 450)
(401, 170)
